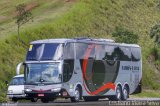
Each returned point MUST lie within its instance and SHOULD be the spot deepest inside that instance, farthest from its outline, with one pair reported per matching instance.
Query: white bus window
(136, 54)
(125, 54)
(69, 51)
(81, 49)
(50, 50)
(111, 52)
(34, 52)
(100, 52)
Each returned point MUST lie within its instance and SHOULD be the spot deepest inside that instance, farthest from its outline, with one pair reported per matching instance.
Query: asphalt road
(103, 102)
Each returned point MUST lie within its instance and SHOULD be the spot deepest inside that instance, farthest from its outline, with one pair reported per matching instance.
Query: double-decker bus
(82, 68)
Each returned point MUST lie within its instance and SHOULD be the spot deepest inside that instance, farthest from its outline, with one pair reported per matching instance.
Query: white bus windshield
(48, 51)
(42, 73)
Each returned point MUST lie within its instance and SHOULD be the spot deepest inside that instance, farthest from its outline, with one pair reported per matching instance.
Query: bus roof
(61, 40)
(83, 40)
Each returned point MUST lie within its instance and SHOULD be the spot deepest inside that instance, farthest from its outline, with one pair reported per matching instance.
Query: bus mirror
(18, 68)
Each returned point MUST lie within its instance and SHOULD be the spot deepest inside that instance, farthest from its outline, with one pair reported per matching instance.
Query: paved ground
(104, 102)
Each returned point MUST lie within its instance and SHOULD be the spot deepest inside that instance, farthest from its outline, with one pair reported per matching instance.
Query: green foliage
(23, 16)
(155, 53)
(125, 36)
(3, 92)
(155, 33)
(148, 93)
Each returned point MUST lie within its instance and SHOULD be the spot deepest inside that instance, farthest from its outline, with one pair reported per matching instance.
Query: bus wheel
(34, 100)
(44, 100)
(90, 99)
(77, 96)
(118, 96)
(125, 93)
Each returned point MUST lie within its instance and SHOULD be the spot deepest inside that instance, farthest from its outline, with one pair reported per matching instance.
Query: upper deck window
(69, 51)
(48, 51)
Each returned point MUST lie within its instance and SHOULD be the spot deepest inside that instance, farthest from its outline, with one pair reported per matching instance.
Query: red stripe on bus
(85, 62)
(102, 88)
(109, 85)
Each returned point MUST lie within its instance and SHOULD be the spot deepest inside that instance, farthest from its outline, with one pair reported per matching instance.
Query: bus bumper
(61, 93)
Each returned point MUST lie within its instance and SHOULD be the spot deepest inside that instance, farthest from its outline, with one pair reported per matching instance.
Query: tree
(23, 16)
(123, 35)
(155, 34)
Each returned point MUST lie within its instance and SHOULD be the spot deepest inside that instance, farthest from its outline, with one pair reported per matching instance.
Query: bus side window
(69, 51)
(136, 54)
(66, 72)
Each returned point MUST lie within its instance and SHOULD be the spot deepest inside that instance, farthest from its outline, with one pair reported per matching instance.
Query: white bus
(82, 68)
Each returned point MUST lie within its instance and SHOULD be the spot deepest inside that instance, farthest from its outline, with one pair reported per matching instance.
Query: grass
(94, 18)
(51, 9)
(146, 94)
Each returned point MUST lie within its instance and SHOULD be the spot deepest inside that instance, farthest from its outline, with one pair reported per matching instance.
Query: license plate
(40, 94)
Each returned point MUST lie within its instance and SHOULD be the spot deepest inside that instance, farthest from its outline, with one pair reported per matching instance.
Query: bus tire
(125, 93)
(77, 96)
(87, 99)
(118, 96)
(44, 100)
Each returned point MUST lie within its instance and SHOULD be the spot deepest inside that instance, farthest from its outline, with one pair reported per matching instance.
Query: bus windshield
(45, 73)
(17, 81)
(47, 51)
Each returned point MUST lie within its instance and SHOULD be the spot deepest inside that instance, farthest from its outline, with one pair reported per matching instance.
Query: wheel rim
(77, 95)
(125, 94)
(118, 94)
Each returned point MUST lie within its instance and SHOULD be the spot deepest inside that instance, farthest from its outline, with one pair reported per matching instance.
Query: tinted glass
(100, 52)
(81, 50)
(42, 73)
(67, 72)
(49, 51)
(69, 51)
(34, 52)
(125, 54)
(17, 81)
(111, 52)
(136, 54)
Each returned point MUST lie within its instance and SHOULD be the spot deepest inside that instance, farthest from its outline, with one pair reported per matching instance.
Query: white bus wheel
(77, 96)
(125, 93)
(118, 95)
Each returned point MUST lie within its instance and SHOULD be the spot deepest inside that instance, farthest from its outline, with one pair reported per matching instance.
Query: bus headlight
(55, 89)
(28, 90)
